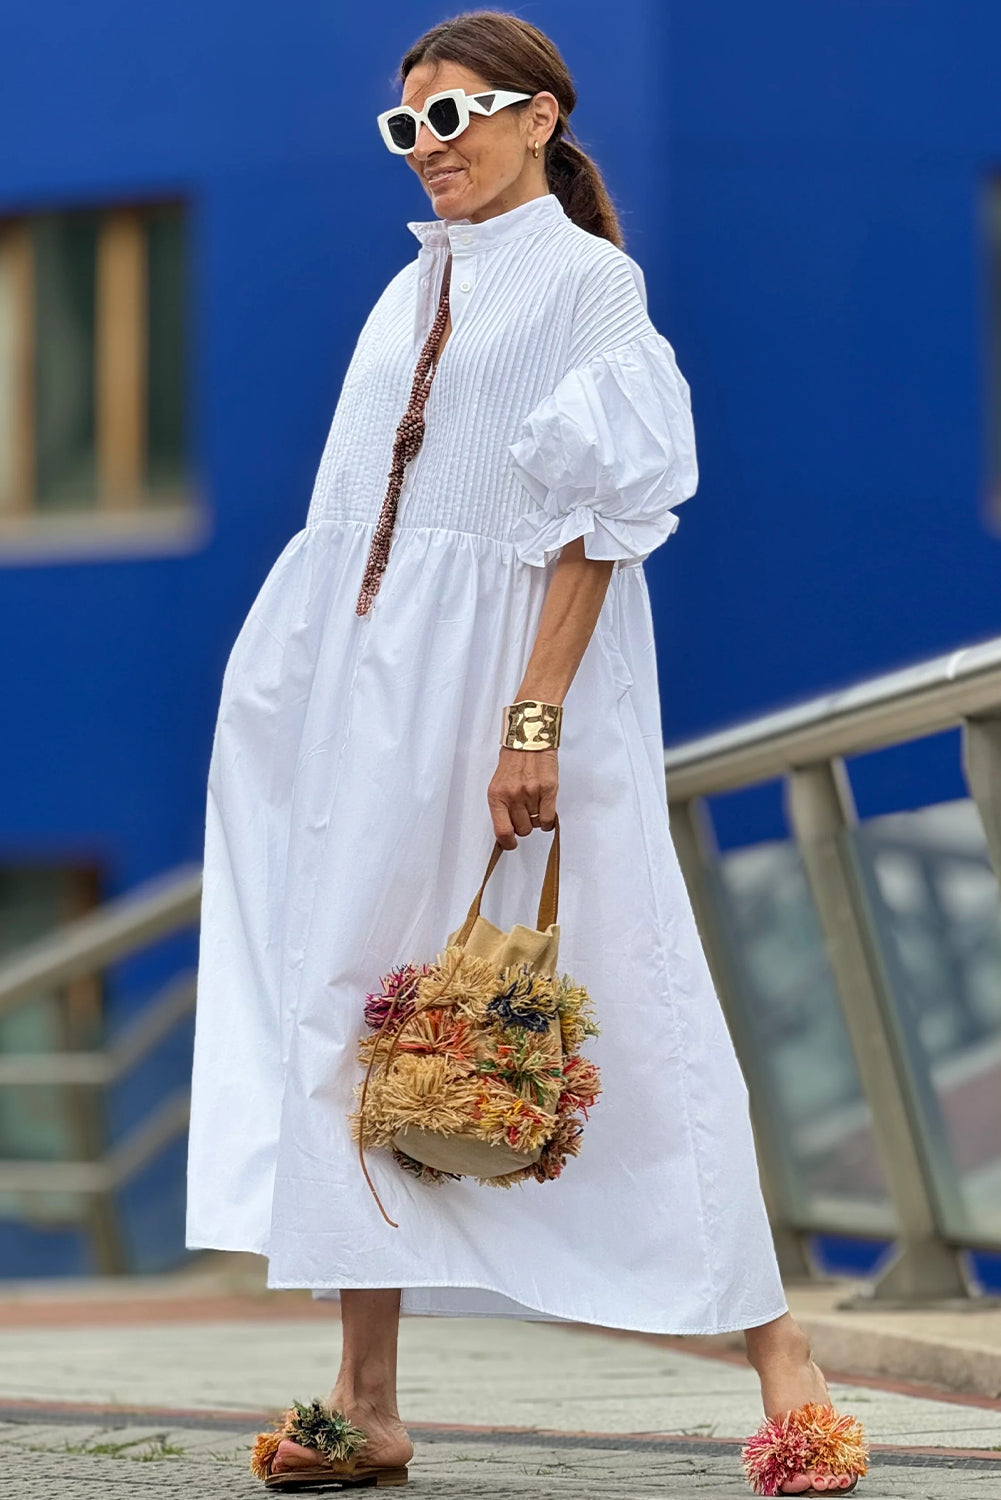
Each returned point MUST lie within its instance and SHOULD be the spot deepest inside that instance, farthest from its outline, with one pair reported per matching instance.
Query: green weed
(139, 1449)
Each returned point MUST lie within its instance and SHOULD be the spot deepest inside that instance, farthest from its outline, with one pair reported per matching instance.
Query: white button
(464, 286)
(467, 239)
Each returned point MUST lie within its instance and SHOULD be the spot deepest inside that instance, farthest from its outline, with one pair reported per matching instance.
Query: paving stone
(453, 1370)
(212, 1464)
(482, 1375)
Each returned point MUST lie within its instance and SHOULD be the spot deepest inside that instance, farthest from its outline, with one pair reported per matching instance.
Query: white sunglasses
(446, 115)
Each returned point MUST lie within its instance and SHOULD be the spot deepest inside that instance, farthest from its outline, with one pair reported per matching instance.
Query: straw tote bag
(473, 1062)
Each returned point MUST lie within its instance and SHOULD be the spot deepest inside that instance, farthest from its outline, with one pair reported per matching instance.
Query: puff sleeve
(610, 452)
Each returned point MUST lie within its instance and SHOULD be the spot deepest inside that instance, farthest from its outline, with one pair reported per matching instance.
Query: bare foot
(387, 1444)
(780, 1352)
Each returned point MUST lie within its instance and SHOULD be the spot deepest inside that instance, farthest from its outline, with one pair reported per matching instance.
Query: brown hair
(511, 54)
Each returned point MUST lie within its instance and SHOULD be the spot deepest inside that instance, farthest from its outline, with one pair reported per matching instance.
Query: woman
(358, 736)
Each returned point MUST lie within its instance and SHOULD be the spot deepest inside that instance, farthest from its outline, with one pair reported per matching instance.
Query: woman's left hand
(523, 787)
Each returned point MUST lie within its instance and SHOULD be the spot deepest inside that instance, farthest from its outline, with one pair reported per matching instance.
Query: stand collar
(526, 218)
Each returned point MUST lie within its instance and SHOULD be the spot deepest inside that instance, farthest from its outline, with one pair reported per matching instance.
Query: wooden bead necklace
(409, 436)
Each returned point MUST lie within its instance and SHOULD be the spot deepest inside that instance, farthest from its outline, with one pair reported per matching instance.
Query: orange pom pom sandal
(317, 1425)
(813, 1439)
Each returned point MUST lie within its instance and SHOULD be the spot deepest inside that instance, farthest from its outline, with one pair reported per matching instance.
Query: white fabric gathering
(347, 825)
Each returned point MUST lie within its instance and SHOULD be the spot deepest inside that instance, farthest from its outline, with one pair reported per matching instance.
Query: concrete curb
(958, 1366)
(847, 1344)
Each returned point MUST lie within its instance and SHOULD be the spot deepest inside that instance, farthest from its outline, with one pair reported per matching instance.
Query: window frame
(127, 515)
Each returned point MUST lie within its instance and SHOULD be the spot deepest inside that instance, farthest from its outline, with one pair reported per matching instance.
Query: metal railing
(119, 929)
(804, 747)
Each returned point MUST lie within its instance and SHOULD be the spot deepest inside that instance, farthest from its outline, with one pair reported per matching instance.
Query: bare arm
(526, 781)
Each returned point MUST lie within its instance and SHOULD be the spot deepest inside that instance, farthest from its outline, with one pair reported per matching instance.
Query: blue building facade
(808, 190)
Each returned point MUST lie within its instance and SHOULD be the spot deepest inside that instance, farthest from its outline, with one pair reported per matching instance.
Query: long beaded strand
(409, 436)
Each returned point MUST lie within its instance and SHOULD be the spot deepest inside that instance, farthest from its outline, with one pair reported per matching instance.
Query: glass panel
(167, 315)
(802, 1055)
(936, 904)
(65, 251)
(34, 1122)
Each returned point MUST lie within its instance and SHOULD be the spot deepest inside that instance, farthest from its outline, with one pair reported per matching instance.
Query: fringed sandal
(813, 1438)
(316, 1425)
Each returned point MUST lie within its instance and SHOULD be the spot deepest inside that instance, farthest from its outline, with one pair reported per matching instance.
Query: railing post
(822, 811)
(982, 769)
(85, 1113)
(695, 844)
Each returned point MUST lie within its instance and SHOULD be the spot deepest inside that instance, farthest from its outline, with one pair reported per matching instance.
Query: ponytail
(576, 181)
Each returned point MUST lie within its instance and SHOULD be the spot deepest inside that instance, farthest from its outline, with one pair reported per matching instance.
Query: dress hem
(478, 1286)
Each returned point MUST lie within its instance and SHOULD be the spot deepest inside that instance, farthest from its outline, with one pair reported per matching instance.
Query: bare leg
(365, 1389)
(780, 1353)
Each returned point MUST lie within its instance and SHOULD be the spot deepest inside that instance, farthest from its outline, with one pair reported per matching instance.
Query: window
(93, 370)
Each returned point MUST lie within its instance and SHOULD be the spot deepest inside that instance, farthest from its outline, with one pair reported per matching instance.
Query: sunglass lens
(403, 131)
(443, 117)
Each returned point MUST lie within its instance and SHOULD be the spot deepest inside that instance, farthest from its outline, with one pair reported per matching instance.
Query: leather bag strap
(549, 900)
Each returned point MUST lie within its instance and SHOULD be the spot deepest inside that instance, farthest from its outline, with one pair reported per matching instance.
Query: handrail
(909, 703)
(135, 1041)
(158, 908)
(164, 1124)
(154, 909)
(804, 746)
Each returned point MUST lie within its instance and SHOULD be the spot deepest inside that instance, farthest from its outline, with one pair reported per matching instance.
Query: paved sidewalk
(957, 1346)
(64, 1461)
(462, 1371)
(127, 1389)
(623, 1419)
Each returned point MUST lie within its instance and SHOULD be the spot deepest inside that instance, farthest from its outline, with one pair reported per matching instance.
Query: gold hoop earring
(535, 150)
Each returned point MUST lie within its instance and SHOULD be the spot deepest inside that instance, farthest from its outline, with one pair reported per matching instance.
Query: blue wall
(828, 298)
(263, 119)
(803, 187)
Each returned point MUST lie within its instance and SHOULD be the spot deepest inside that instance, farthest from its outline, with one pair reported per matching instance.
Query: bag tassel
(368, 1074)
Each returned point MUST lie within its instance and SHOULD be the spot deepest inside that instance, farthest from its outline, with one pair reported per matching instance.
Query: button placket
(463, 266)
(424, 311)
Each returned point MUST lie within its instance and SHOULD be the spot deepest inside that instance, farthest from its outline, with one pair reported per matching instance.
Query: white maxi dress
(347, 826)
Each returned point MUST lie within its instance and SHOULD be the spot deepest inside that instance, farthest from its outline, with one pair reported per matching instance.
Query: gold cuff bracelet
(529, 725)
